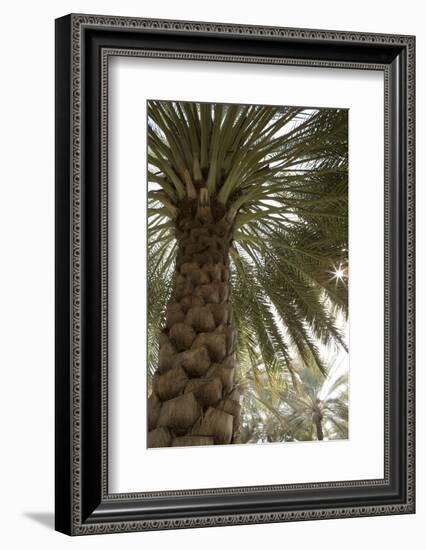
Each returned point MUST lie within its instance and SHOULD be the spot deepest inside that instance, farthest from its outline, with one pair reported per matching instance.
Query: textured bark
(194, 400)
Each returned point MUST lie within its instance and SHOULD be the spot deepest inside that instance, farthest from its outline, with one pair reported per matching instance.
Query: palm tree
(320, 409)
(247, 240)
(304, 406)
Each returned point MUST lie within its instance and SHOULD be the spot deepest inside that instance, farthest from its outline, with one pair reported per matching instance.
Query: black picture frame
(83, 504)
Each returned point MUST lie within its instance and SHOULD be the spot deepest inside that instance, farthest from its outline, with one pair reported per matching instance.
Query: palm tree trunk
(194, 400)
(318, 426)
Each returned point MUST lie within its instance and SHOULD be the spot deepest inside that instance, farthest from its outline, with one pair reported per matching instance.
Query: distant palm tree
(247, 254)
(320, 408)
(311, 406)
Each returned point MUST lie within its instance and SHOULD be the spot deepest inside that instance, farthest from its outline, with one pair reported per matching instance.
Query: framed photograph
(234, 274)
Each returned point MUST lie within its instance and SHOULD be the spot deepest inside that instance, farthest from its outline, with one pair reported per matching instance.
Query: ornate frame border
(70, 517)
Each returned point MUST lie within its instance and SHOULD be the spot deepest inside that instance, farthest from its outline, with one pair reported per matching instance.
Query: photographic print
(247, 274)
(225, 288)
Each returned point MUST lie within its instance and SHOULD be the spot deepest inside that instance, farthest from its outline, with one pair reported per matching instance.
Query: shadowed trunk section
(194, 401)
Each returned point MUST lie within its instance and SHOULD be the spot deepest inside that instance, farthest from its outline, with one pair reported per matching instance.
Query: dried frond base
(159, 437)
(225, 374)
(180, 413)
(201, 319)
(182, 336)
(170, 384)
(196, 362)
(217, 424)
(208, 392)
(231, 407)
